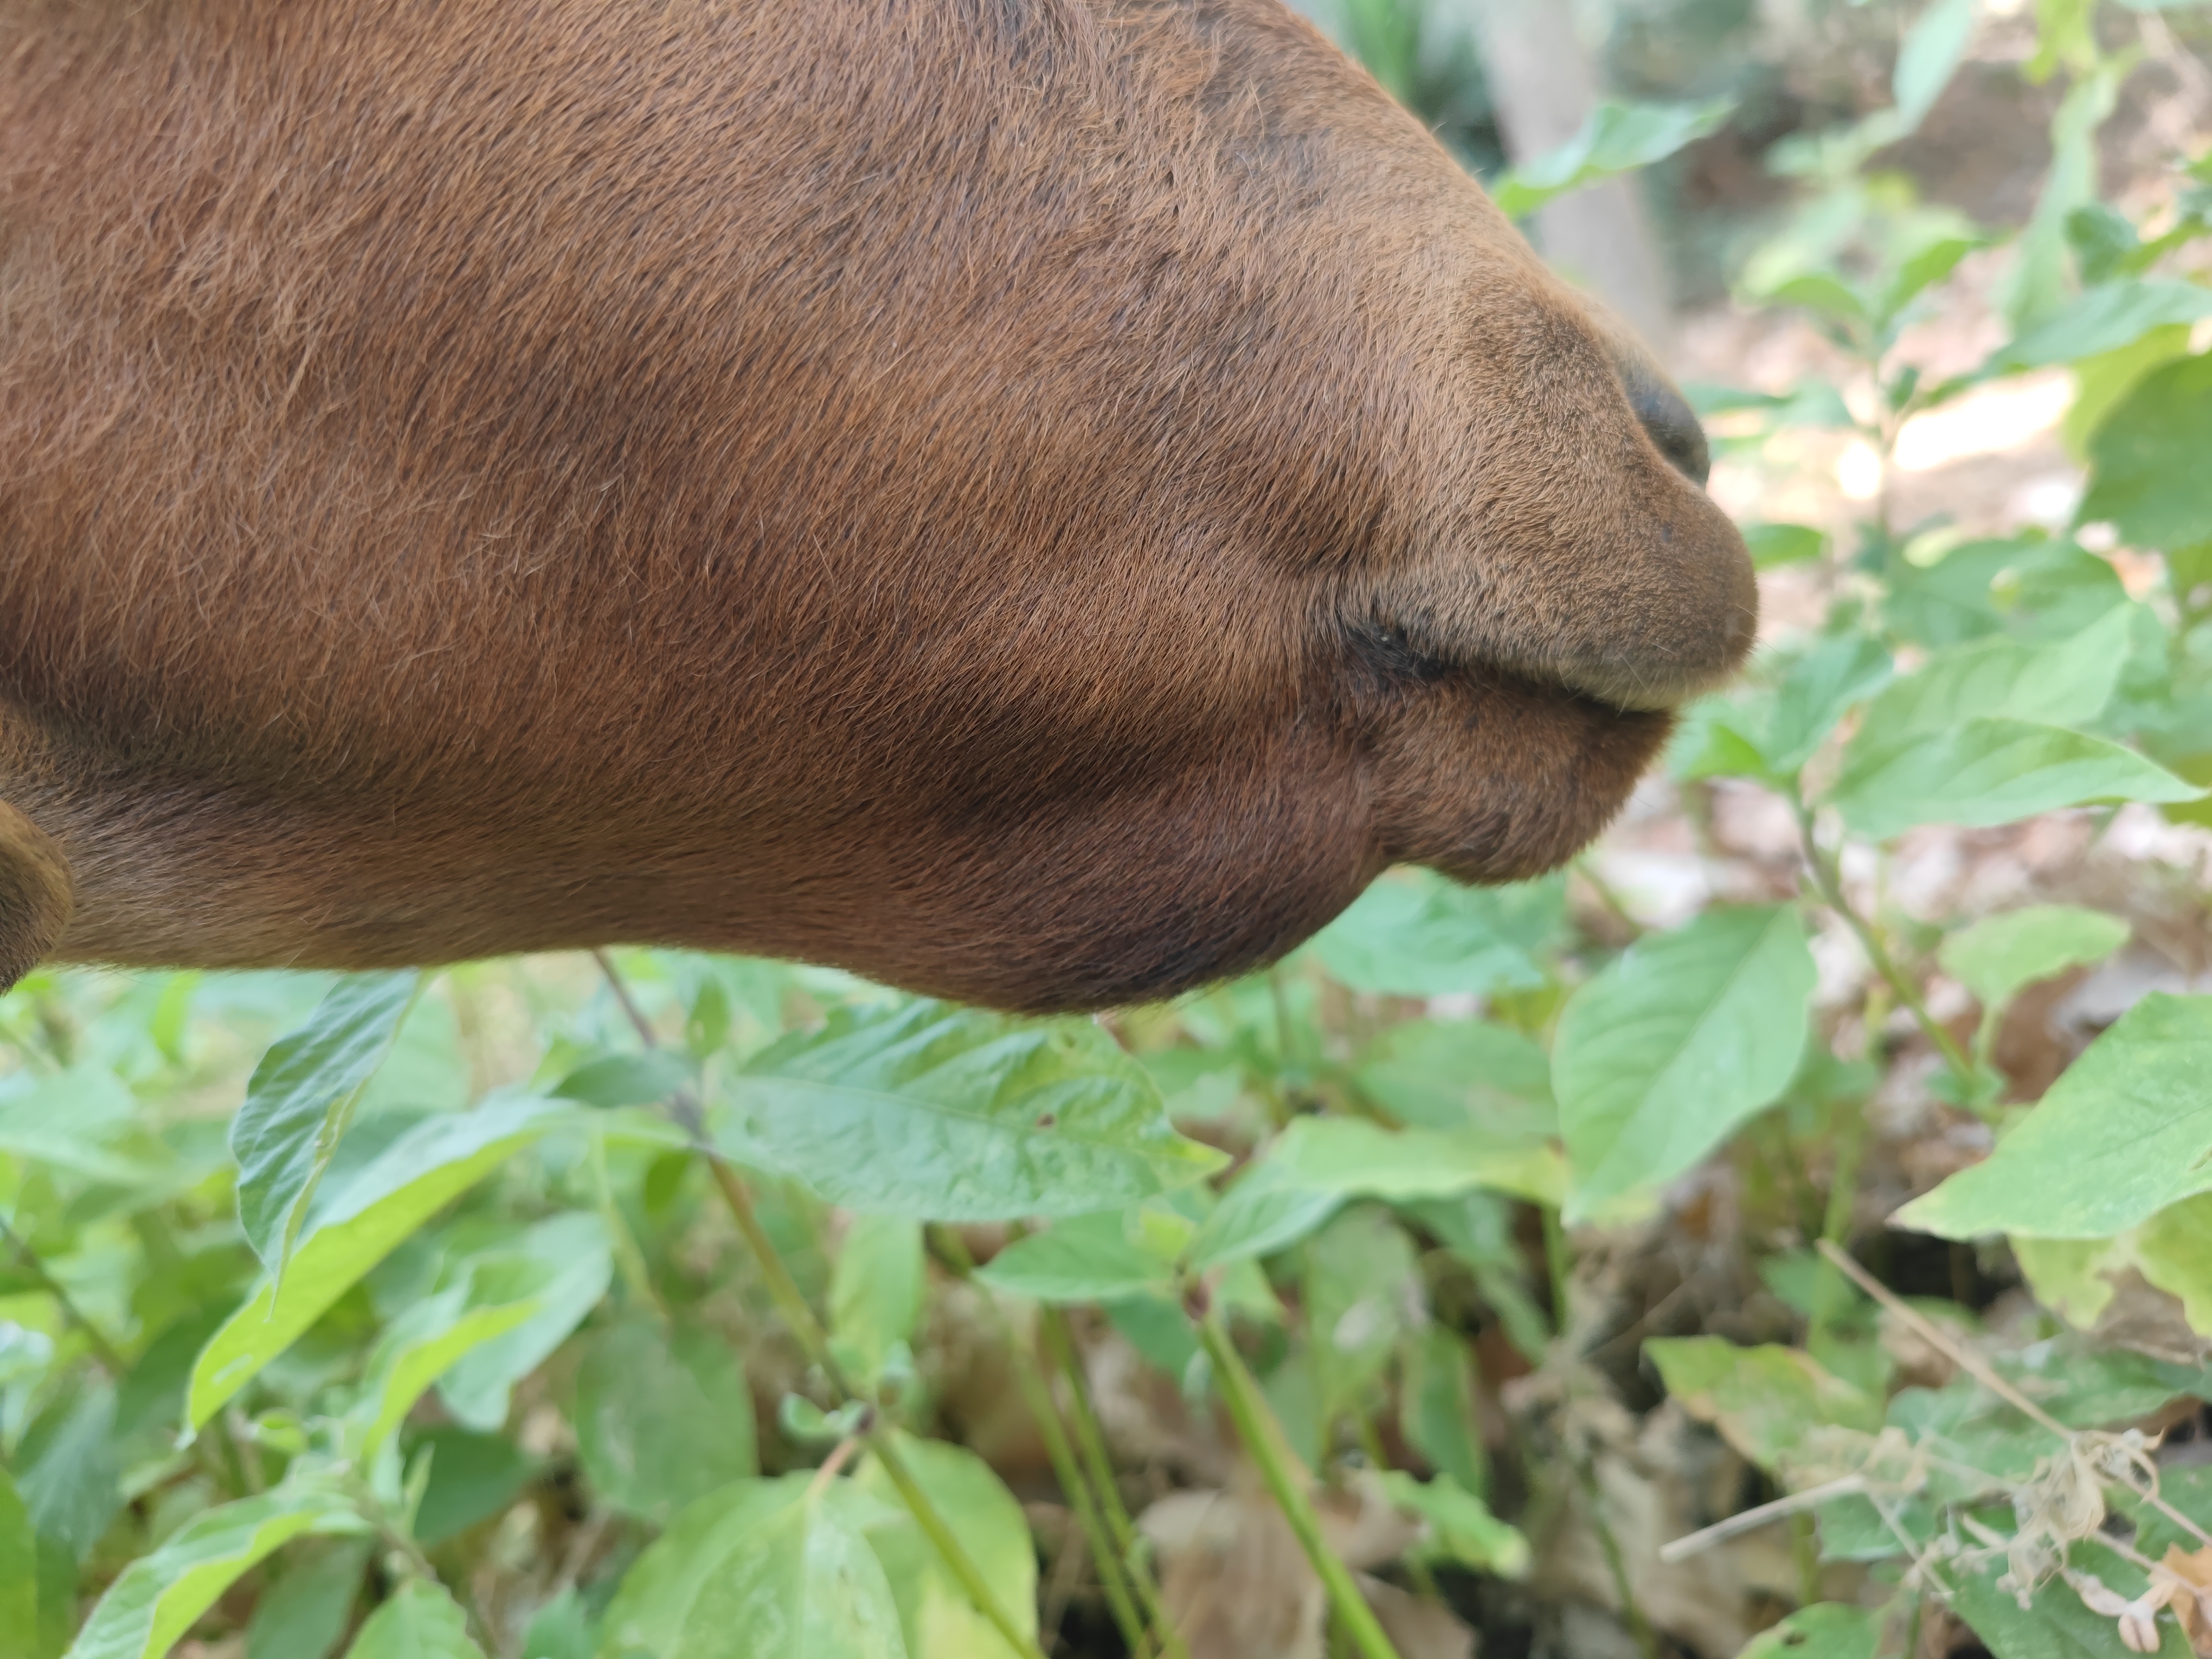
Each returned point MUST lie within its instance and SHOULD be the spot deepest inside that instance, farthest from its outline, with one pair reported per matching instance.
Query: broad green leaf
(1773, 545)
(1460, 1073)
(643, 1078)
(936, 1615)
(561, 1629)
(1998, 955)
(1462, 1528)
(662, 1418)
(1764, 1400)
(1929, 57)
(800, 1584)
(2125, 1132)
(78, 1121)
(1438, 1410)
(161, 1595)
(2102, 383)
(421, 1620)
(2037, 284)
(1319, 1163)
(301, 1100)
(1827, 1630)
(2106, 319)
(1362, 1294)
(427, 1338)
(876, 1290)
(1617, 138)
(66, 1468)
(942, 1114)
(2056, 1624)
(1416, 933)
(2173, 1251)
(422, 1172)
(2063, 685)
(19, 1576)
(648, 1610)
(1678, 1041)
(1818, 688)
(472, 1477)
(2031, 588)
(562, 1266)
(1987, 772)
(305, 1613)
(2147, 473)
(1078, 1259)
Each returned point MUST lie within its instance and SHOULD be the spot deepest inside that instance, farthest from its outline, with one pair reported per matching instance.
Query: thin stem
(1827, 880)
(1256, 1428)
(1965, 1358)
(110, 1356)
(1843, 1193)
(1558, 1264)
(1639, 1627)
(1059, 1344)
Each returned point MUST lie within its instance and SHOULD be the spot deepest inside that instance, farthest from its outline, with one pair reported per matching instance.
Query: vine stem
(1256, 1428)
(1121, 1577)
(1828, 880)
(110, 1356)
(791, 1302)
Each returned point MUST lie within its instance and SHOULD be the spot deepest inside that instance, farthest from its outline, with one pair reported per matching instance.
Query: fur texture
(1037, 500)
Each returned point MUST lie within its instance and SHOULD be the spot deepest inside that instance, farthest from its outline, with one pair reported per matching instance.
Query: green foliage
(325, 1298)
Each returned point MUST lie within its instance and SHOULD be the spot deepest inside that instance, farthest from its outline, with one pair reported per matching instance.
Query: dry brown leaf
(1233, 1579)
(1418, 1629)
(2192, 1605)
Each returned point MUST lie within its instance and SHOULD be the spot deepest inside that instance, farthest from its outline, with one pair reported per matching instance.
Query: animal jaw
(1038, 504)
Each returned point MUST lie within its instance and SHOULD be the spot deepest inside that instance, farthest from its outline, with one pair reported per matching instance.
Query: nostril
(1668, 416)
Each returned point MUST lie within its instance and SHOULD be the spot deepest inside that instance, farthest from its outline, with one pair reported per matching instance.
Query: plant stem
(1059, 1344)
(1843, 1194)
(1647, 1638)
(791, 1302)
(1559, 1265)
(1828, 880)
(110, 1356)
(1256, 1428)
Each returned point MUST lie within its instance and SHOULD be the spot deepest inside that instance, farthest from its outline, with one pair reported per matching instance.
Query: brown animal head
(1038, 501)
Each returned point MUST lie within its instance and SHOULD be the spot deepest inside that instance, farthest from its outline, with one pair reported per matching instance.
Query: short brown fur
(1038, 501)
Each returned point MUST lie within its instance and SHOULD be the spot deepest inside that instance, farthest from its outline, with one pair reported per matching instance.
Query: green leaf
(2036, 285)
(2064, 684)
(2056, 1624)
(1416, 933)
(418, 1176)
(1987, 772)
(1773, 545)
(939, 1619)
(1933, 48)
(1438, 1409)
(428, 1337)
(1319, 1163)
(66, 1469)
(1817, 689)
(1678, 1041)
(662, 1418)
(2106, 319)
(642, 1079)
(562, 1267)
(561, 1629)
(1617, 138)
(2147, 473)
(473, 1477)
(1827, 1630)
(421, 1621)
(876, 1292)
(1764, 1400)
(299, 1102)
(2125, 1132)
(2000, 954)
(647, 1612)
(160, 1596)
(943, 1114)
(1078, 1259)
(1362, 1295)
(800, 1584)
(19, 1576)
(305, 1614)
(1458, 1074)
(2032, 589)
(1464, 1530)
